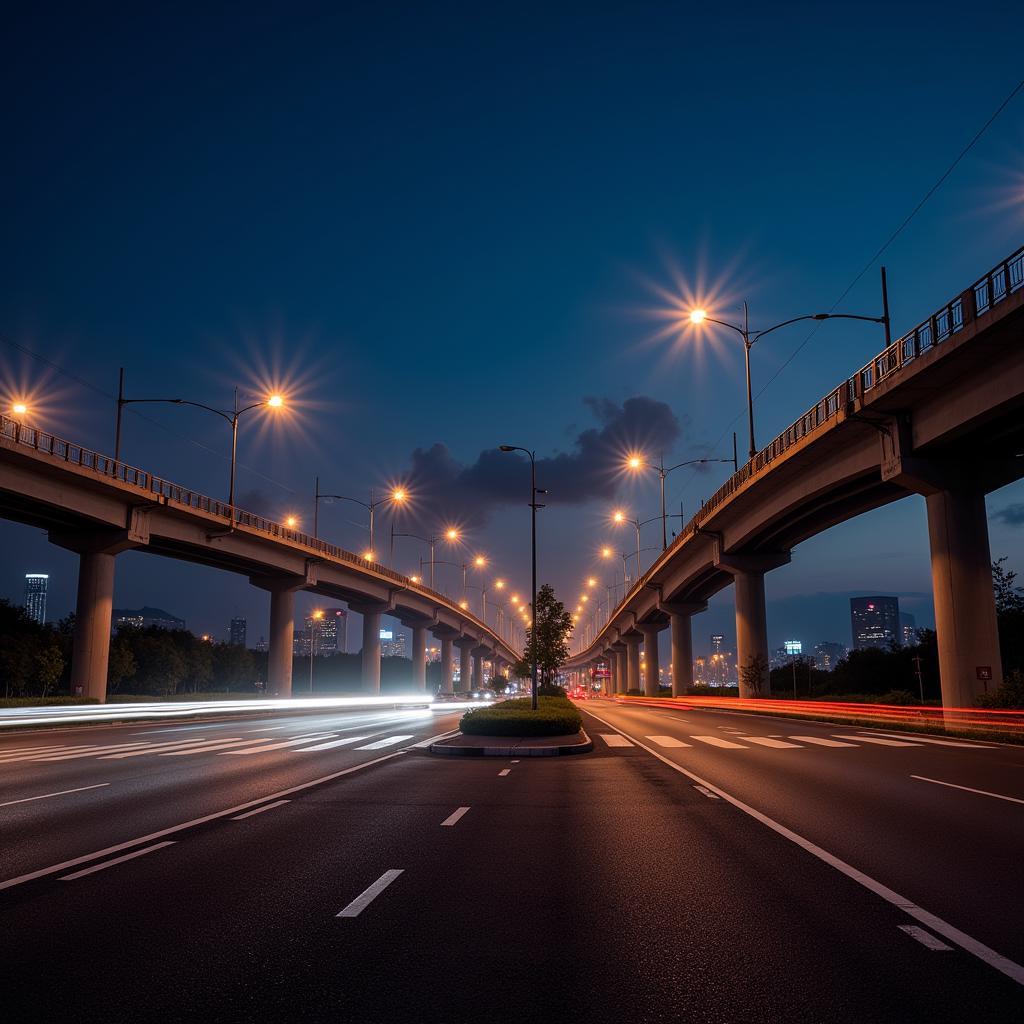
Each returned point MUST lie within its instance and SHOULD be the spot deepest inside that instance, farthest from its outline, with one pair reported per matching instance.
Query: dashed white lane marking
(770, 741)
(707, 792)
(331, 744)
(968, 789)
(820, 741)
(368, 895)
(668, 741)
(279, 744)
(875, 739)
(453, 817)
(504, 771)
(259, 810)
(388, 741)
(978, 949)
(117, 860)
(929, 739)
(46, 796)
(516, 761)
(717, 741)
(75, 753)
(614, 739)
(157, 748)
(211, 745)
(925, 938)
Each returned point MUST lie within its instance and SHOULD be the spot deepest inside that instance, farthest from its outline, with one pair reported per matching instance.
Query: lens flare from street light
(479, 561)
(415, 579)
(584, 598)
(19, 408)
(618, 516)
(463, 604)
(318, 614)
(275, 401)
(606, 552)
(399, 494)
(635, 461)
(591, 582)
(451, 533)
(291, 522)
(698, 316)
(368, 556)
(499, 584)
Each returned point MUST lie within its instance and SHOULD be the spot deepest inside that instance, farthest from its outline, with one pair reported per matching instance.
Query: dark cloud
(1012, 515)
(450, 490)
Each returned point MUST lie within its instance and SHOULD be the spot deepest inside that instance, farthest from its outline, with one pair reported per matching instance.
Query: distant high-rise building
(700, 672)
(35, 595)
(237, 636)
(827, 655)
(875, 621)
(331, 632)
(717, 643)
(392, 644)
(143, 618)
(908, 629)
(301, 640)
(261, 645)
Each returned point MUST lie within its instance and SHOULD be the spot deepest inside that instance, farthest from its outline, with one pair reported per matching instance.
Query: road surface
(699, 866)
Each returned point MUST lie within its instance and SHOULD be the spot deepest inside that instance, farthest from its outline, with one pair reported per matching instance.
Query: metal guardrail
(15, 431)
(1003, 280)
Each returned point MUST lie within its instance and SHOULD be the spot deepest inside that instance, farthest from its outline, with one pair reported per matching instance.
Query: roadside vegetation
(555, 716)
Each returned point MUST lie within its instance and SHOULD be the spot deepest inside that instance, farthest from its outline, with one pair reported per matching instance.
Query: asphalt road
(762, 882)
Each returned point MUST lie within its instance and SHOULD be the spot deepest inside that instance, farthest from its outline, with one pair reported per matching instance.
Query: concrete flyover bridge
(939, 413)
(99, 507)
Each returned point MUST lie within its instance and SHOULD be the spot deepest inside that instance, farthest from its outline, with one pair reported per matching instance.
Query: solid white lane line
(279, 744)
(368, 895)
(434, 739)
(269, 728)
(331, 744)
(968, 789)
(820, 741)
(260, 810)
(453, 817)
(876, 739)
(388, 741)
(206, 745)
(707, 792)
(227, 812)
(46, 796)
(984, 953)
(668, 741)
(504, 771)
(770, 741)
(156, 748)
(925, 938)
(940, 743)
(516, 761)
(717, 741)
(614, 740)
(117, 860)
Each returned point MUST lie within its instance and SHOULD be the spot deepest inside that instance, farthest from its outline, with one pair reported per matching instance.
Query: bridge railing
(1003, 280)
(22, 434)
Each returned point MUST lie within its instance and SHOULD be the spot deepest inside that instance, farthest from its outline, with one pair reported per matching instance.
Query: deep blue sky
(457, 225)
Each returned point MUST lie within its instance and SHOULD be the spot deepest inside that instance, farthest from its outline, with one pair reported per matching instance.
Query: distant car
(484, 694)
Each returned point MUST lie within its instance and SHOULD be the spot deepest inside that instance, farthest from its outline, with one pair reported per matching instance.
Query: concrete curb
(582, 746)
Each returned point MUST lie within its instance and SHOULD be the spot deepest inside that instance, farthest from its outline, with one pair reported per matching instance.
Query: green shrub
(43, 702)
(1009, 695)
(555, 716)
(550, 690)
(898, 697)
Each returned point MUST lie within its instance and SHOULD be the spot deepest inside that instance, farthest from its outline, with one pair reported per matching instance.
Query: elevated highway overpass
(940, 412)
(98, 507)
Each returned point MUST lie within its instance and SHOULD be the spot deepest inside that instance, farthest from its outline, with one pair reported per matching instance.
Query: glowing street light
(314, 621)
(396, 496)
(699, 317)
(451, 534)
(291, 522)
(275, 401)
(19, 408)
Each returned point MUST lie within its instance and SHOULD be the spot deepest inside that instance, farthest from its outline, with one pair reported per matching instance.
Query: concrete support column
(965, 613)
(478, 671)
(371, 651)
(446, 664)
(621, 671)
(682, 653)
(419, 658)
(609, 683)
(633, 681)
(465, 646)
(652, 677)
(91, 645)
(282, 642)
(751, 632)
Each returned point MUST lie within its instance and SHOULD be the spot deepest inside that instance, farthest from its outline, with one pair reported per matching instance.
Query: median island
(513, 729)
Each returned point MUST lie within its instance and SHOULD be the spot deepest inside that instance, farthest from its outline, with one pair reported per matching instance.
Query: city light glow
(451, 533)
(19, 408)
(275, 401)
(698, 316)
(618, 516)
(291, 522)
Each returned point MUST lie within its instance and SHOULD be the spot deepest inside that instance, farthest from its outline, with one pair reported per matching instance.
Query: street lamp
(314, 621)
(270, 402)
(396, 496)
(534, 491)
(637, 463)
(451, 534)
(700, 316)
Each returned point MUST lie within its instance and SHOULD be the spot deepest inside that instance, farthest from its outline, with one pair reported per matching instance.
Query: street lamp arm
(723, 323)
(693, 462)
(758, 335)
(344, 497)
(182, 401)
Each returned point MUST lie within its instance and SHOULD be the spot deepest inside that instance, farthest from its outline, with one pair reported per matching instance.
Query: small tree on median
(554, 624)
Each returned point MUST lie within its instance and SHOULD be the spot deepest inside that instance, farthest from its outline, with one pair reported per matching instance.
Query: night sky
(441, 228)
